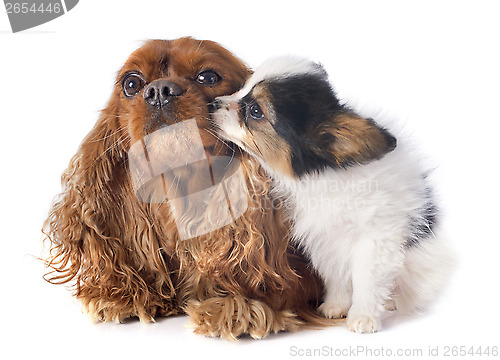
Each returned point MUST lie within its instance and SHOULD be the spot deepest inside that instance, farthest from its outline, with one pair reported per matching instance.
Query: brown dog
(125, 257)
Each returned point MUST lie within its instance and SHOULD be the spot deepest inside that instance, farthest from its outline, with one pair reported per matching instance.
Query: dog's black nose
(215, 105)
(161, 92)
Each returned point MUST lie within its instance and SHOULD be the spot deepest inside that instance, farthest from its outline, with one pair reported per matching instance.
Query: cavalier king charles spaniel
(124, 253)
(360, 204)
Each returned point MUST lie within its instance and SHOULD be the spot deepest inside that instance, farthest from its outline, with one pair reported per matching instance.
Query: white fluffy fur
(354, 225)
(279, 67)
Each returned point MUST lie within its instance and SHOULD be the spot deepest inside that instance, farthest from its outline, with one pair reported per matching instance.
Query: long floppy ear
(350, 139)
(100, 240)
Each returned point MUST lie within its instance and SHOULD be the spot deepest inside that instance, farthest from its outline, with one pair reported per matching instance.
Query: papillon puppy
(361, 206)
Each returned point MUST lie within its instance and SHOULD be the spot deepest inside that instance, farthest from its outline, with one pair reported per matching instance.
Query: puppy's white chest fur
(334, 210)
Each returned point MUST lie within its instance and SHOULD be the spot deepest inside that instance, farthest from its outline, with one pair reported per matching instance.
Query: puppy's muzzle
(215, 105)
(160, 93)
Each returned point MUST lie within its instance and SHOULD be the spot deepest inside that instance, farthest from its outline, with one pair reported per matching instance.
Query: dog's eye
(256, 112)
(208, 78)
(132, 84)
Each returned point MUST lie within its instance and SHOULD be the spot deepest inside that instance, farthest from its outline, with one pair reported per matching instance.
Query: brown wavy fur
(124, 257)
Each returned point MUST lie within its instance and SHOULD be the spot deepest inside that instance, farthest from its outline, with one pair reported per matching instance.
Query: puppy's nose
(215, 105)
(161, 92)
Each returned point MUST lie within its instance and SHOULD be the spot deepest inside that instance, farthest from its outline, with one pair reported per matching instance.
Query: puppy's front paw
(333, 310)
(363, 323)
(390, 305)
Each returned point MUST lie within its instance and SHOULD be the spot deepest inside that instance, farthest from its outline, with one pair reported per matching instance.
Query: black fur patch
(423, 227)
(302, 102)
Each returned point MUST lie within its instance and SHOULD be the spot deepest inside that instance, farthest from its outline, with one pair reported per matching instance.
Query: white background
(432, 65)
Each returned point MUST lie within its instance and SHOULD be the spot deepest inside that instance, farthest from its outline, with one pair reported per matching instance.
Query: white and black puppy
(360, 204)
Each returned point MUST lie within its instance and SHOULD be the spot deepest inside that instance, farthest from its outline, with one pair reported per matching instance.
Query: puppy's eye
(208, 77)
(132, 84)
(256, 112)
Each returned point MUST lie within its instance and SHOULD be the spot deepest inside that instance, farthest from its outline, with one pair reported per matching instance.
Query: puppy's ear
(350, 139)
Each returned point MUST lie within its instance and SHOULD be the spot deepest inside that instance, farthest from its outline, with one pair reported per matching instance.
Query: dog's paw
(119, 311)
(390, 305)
(232, 316)
(333, 310)
(363, 323)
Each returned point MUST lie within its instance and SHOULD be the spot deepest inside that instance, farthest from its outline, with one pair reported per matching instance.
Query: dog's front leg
(375, 266)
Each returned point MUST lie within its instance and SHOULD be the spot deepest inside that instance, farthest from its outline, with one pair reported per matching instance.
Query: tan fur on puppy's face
(257, 136)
